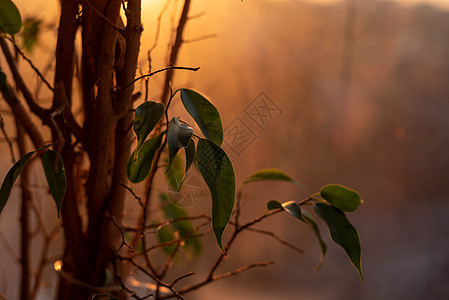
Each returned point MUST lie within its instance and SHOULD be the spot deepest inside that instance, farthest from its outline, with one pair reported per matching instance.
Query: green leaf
(342, 232)
(11, 177)
(165, 234)
(10, 19)
(178, 137)
(175, 173)
(184, 227)
(204, 114)
(4, 89)
(55, 175)
(316, 231)
(341, 197)
(139, 169)
(273, 204)
(30, 33)
(218, 173)
(293, 208)
(148, 114)
(269, 174)
(190, 154)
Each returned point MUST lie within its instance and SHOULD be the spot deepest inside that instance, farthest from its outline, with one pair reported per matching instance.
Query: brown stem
(35, 108)
(175, 49)
(24, 219)
(23, 117)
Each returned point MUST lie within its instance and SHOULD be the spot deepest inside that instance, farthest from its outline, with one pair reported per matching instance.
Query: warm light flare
(58, 265)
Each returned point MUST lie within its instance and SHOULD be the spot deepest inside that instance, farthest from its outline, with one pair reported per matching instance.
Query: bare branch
(122, 233)
(274, 236)
(161, 70)
(241, 270)
(39, 74)
(181, 277)
(200, 38)
(132, 193)
(35, 108)
(9, 248)
(219, 277)
(89, 5)
(11, 148)
(152, 276)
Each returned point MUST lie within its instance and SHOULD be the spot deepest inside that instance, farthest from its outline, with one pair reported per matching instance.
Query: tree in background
(100, 249)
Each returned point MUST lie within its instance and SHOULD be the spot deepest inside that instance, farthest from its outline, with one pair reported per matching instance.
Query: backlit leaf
(273, 204)
(178, 137)
(341, 197)
(342, 232)
(139, 169)
(316, 231)
(269, 174)
(205, 115)
(175, 173)
(148, 114)
(184, 227)
(4, 89)
(10, 19)
(293, 208)
(218, 173)
(190, 154)
(11, 177)
(55, 175)
(30, 33)
(164, 235)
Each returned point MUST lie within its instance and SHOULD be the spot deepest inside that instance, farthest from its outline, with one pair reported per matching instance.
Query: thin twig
(200, 38)
(158, 27)
(5, 134)
(155, 278)
(240, 270)
(219, 277)
(132, 192)
(160, 70)
(274, 236)
(181, 277)
(103, 16)
(8, 247)
(119, 279)
(30, 63)
(122, 233)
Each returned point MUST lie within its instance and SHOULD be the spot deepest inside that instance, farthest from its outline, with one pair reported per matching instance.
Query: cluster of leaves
(211, 160)
(330, 204)
(54, 173)
(11, 23)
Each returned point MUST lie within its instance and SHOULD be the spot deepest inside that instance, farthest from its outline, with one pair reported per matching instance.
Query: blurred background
(352, 92)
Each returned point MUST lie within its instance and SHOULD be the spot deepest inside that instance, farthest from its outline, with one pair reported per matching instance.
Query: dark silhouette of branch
(132, 193)
(23, 117)
(87, 4)
(274, 236)
(200, 38)
(174, 51)
(181, 277)
(35, 108)
(8, 140)
(48, 238)
(158, 71)
(158, 30)
(39, 74)
(219, 277)
(122, 233)
(25, 262)
(152, 276)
